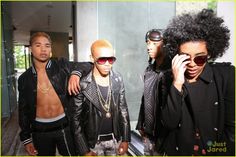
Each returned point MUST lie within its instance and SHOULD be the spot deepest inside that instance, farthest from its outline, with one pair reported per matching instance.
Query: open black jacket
(178, 117)
(153, 128)
(87, 113)
(58, 72)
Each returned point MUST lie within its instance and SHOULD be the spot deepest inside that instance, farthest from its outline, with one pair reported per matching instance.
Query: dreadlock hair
(203, 26)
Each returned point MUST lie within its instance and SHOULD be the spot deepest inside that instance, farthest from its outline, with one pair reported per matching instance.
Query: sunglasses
(199, 60)
(103, 60)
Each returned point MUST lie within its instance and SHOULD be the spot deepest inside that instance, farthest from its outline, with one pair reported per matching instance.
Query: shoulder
(223, 67)
(220, 64)
(116, 75)
(60, 60)
(150, 67)
(223, 72)
(25, 74)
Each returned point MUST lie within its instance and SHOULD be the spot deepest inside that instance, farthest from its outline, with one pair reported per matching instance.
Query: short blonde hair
(100, 43)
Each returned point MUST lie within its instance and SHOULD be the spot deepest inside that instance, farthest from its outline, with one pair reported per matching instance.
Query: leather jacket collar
(89, 88)
(48, 66)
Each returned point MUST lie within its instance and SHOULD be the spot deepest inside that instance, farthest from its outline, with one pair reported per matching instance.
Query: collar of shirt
(207, 74)
(49, 63)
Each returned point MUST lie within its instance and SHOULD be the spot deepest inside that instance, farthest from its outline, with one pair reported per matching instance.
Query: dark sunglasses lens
(200, 60)
(103, 60)
(111, 60)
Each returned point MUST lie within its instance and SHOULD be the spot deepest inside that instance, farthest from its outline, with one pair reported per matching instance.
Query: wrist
(178, 85)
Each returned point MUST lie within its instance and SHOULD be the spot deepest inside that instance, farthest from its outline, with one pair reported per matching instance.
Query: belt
(52, 126)
(105, 137)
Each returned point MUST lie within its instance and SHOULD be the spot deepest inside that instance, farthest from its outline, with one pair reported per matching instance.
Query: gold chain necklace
(42, 89)
(105, 103)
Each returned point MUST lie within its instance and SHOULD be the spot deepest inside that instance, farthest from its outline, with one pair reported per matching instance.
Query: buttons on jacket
(179, 125)
(197, 135)
(216, 103)
(215, 129)
(177, 148)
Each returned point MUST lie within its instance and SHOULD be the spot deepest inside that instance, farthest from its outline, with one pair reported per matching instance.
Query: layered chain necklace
(44, 88)
(106, 104)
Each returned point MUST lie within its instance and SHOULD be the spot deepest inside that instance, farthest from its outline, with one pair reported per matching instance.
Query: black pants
(47, 141)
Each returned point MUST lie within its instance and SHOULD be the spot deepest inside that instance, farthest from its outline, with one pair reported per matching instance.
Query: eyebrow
(199, 53)
(41, 43)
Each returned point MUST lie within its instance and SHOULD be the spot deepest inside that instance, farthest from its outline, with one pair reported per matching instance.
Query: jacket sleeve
(76, 68)
(124, 115)
(171, 111)
(229, 102)
(24, 120)
(81, 68)
(139, 125)
(79, 137)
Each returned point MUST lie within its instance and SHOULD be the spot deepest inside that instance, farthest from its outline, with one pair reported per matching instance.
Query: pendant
(106, 106)
(108, 115)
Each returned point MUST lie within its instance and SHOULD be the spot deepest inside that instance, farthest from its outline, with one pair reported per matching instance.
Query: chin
(105, 74)
(188, 76)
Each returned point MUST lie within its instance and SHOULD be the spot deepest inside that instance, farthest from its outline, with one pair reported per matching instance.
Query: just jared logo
(216, 146)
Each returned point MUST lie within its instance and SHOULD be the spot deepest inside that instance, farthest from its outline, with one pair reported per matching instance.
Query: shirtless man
(43, 100)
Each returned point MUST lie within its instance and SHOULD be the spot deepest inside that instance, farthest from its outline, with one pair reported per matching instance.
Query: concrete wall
(227, 11)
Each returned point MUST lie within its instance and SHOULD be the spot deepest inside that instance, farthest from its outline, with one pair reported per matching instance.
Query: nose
(192, 63)
(107, 63)
(43, 48)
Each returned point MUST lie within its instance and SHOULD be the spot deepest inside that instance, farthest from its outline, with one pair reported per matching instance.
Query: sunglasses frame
(106, 58)
(203, 57)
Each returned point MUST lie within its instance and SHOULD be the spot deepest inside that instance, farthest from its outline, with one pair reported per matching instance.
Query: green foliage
(212, 5)
(20, 57)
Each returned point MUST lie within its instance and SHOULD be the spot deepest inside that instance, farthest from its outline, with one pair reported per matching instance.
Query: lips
(192, 72)
(107, 70)
(151, 54)
(43, 55)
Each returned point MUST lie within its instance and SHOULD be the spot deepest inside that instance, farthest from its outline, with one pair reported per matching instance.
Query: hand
(141, 133)
(30, 149)
(123, 148)
(73, 85)
(91, 153)
(179, 63)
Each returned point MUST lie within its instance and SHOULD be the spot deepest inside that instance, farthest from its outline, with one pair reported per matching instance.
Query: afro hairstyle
(202, 26)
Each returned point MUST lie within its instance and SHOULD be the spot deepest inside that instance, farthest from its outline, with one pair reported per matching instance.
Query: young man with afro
(200, 109)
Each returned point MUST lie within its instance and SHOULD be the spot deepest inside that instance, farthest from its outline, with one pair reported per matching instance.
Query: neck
(191, 80)
(159, 60)
(39, 66)
(101, 80)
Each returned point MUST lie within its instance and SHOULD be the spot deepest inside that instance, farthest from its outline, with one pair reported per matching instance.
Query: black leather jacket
(58, 72)
(87, 113)
(158, 80)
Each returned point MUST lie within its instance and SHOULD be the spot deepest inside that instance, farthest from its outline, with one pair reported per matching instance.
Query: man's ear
(91, 58)
(30, 49)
